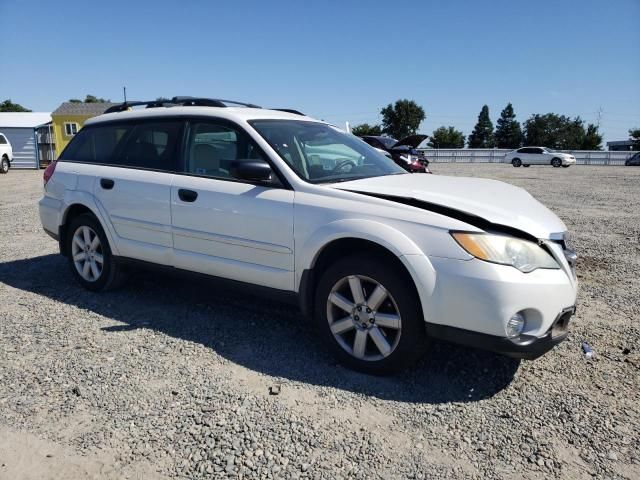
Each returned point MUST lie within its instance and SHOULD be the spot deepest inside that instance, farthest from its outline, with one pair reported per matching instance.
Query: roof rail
(289, 110)
(182, 101)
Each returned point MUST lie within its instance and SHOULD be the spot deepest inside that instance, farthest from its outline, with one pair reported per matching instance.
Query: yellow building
(69, 118)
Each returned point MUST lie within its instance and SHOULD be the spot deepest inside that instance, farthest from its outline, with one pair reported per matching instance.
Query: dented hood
(474, 200)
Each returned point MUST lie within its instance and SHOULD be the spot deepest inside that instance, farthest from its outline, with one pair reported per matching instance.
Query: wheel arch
(400, 250)
(80, 206)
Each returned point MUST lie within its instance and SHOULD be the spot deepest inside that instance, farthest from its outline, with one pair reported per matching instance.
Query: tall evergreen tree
(592, 138)
(508, 132)
(482, 135)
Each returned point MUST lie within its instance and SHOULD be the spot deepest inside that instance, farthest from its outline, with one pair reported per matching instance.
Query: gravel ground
(173, 378)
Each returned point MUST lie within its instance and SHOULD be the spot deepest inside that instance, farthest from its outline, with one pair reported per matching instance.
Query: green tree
(402, 119)
(508, 132)
(89, 99)
(592, 139)
(366, 129)
(482, 135)
(557, 131)
(446, 137)
(634, 135)
(9, 106)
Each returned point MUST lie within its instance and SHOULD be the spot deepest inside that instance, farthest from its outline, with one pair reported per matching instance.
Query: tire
(4, 165)
(385, 348)
(96, 277)
(556, 163)
(566, 166)
(516, 162)
(526, 166)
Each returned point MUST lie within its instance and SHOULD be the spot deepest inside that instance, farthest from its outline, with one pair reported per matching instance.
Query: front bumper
(481, 297)
(525, 346)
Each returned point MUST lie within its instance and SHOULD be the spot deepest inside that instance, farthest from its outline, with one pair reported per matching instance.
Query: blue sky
(336, 60)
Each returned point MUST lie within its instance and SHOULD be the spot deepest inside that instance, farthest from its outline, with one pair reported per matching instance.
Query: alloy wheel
(364, 318)
(87, 253)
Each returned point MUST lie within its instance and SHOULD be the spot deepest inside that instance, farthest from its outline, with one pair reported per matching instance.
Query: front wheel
(90, 258)
(526, 166)
(556, 163)
(4, 165)
(566, 166)
(516, 162)
(369, 315)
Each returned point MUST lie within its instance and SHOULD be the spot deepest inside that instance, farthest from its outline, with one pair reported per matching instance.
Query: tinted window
(211, 148)
(95, 144)
(151, 145)
(536, 150)
(3, 141)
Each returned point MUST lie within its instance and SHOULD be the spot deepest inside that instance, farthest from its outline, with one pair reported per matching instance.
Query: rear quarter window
(96, 144)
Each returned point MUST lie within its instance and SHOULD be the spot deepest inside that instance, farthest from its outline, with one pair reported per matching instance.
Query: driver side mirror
(252, 170)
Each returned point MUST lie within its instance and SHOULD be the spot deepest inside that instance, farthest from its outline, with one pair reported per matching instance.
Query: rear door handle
(187, 195)
(107, 183)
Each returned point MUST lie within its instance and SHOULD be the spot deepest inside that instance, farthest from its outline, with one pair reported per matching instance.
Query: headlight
(524, 255)
(407, 158)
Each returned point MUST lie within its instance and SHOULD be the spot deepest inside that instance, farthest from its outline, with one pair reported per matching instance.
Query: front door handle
(187, 195)
(107, 183)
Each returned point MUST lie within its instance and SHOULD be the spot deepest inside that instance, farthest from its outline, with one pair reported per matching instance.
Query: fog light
(515, 325)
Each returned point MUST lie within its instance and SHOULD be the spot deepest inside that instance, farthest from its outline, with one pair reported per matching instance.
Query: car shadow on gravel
(260, 334)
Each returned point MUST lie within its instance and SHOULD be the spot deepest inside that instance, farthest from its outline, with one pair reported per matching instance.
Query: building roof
(620, 143)
(77, 108)
(23, 119)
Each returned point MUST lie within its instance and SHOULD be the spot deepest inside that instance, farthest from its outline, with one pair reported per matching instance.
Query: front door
(225, 227)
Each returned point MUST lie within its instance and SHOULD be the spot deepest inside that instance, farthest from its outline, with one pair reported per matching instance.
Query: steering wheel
(340, 164)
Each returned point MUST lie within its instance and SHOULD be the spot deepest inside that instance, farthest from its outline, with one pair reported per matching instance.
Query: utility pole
(124, 89)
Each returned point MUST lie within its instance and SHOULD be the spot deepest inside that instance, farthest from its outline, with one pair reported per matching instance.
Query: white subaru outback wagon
(382, 260)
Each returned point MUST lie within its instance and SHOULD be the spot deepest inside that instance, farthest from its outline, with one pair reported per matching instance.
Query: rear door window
(151, 145)
(3, 141)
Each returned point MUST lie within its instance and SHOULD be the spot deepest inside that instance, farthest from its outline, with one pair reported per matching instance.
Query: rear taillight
(48, 172)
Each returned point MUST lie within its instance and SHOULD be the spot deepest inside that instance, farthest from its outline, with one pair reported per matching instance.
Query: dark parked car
(402, 152)
(633, 161)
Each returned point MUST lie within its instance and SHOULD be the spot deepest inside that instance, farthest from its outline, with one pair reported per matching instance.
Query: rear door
(225, 227)
(134, 185)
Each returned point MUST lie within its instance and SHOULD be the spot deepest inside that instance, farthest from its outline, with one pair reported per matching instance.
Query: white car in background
(526, 156)
(6, 154)
(381, 260)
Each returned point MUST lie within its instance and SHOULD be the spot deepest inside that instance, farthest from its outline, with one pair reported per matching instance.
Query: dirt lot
(170, 377)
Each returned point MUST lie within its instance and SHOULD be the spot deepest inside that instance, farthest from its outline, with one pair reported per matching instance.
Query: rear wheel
(90, 256)
(4, 165)
(566, 166)
(556, 163)
(516, 162)
(526, 166)
(368, 314)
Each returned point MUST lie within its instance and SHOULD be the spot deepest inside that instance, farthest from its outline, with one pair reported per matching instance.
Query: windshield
(387, 141)
(320, 153)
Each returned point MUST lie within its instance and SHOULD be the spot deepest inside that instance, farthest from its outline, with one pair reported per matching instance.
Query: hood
(469, 199)
(411, 141)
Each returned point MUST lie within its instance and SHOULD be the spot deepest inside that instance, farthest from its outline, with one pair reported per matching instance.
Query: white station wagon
(382, 260)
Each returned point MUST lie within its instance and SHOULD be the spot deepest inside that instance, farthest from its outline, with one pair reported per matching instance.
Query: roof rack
(176, 101)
